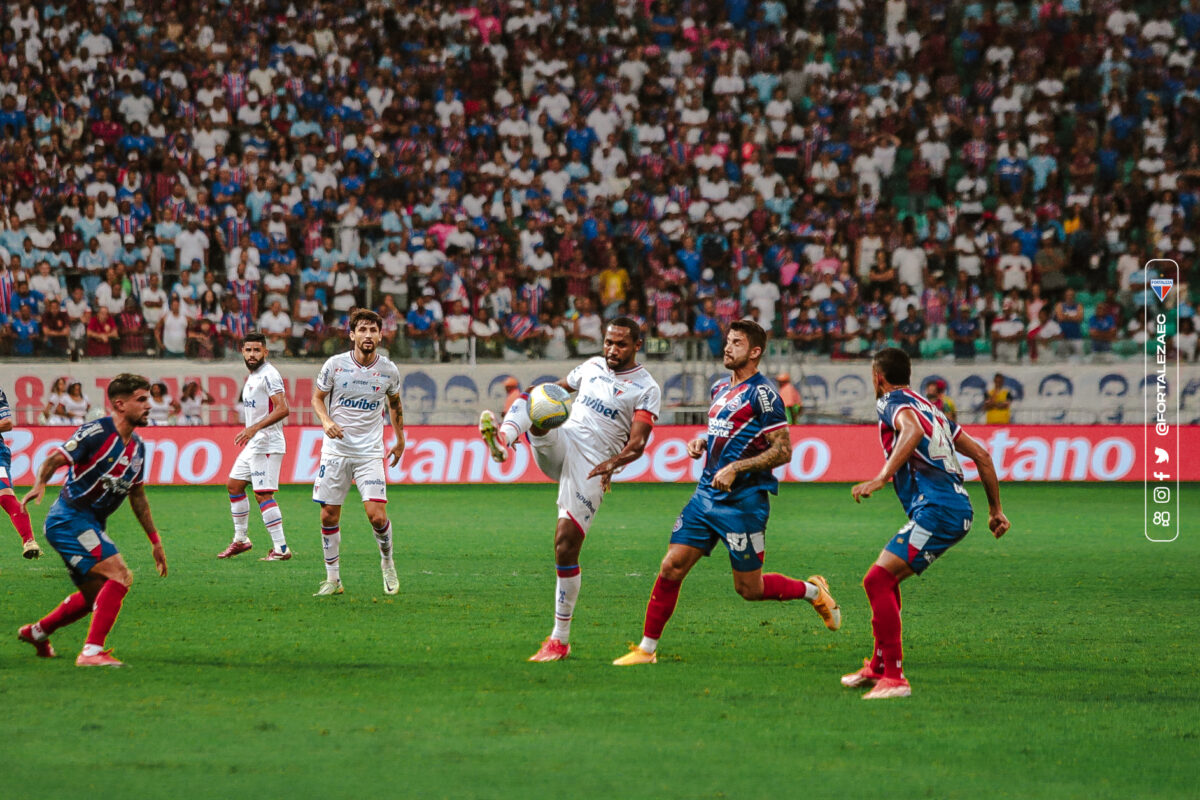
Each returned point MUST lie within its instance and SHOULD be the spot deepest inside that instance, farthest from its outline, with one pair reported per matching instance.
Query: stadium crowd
(496, 178)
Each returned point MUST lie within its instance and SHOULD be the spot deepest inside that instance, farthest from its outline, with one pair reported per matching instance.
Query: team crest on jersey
(617, 392)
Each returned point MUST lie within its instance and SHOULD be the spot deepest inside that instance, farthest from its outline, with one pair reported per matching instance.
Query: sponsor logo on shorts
(678, 523)
(583, 501)
(371, 482)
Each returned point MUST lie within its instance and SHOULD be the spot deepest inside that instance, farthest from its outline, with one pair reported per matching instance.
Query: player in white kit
(349, 398)
(265, 407)
(610, 423)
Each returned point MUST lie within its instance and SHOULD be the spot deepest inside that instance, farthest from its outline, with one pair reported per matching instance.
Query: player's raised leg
(382, 527)
(677, 563)
(568, 541)
(756, 585)
(239, 511)
(20, 518)
(331, 545)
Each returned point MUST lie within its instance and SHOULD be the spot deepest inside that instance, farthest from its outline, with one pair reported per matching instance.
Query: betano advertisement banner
(445, 454)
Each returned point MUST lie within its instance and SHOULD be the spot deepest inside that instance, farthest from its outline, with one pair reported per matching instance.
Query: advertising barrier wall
(453, 394)
(444, 454)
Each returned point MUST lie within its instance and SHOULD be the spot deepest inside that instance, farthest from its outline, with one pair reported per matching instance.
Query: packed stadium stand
(973, 182)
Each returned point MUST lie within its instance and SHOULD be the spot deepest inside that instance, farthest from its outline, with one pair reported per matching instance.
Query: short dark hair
(126, 384)
(254, 337)
(753, 331)
(894, 365)
(364, 315)
(630, 324)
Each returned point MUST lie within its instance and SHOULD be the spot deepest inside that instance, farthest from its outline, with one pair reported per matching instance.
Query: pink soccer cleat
(234, 548)
(552, 650)
(887, 688)
(275, 555)
(865, 677)
(42, 646)
(101, 659)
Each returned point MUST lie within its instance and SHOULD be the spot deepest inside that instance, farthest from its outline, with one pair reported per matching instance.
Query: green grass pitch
(1059, 662)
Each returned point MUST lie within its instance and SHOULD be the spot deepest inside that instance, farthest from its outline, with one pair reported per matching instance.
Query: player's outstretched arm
(779, 451)
(49, 467)
(909, 435)
(332, 429)
(972, 449)
(279, 412)
(639, 434)
(141, 510)
(396, 413)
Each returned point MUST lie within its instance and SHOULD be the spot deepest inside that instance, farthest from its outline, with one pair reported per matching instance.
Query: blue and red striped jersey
(103, 468)
(738, 420)
(932, 476)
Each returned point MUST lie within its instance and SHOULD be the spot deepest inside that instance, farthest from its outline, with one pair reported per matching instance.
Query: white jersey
(602, 414)
(357, 401)
(261, 385)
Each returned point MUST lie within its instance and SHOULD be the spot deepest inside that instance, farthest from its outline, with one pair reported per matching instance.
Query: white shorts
(261, 469)
(559, 457)
(336, 473)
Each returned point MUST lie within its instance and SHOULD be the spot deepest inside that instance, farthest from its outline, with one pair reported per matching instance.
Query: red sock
(20, 518)
(73, 608)
(661, 606)
(108, 606)
(882, 592)
(781, 587)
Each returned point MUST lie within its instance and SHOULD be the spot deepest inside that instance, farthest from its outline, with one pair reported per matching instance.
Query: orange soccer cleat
(101, 659)
(552, 650)
(887, 688)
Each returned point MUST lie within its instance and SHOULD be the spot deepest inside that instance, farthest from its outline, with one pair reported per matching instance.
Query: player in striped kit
(747, 438)
(614, 411)
(921, 448)
(107, 460)
(263, 447)
(349, 397)
(8, 498)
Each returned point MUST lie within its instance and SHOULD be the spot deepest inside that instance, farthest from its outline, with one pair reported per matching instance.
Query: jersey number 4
(941, 446)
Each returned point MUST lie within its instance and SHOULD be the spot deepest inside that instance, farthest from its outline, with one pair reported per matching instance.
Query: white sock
(273, 518)
(516, 421)
(331, 543)
(810, 591)
(648, 645)
(383, 538)
(566, 592)
(92, 649)
(239, 508)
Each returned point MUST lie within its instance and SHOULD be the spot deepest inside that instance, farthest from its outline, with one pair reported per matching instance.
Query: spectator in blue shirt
(964, 330)
(27, 332)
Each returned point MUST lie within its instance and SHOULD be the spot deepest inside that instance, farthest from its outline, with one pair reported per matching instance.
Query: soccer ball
(548, 405)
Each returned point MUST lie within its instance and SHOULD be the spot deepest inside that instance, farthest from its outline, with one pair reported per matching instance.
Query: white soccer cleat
(391, 583)
(329, 587)
(491, 434)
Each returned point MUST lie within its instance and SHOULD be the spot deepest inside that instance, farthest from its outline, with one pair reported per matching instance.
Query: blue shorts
(5, 467)
(741, 524)
(928, 534)
(79, 538)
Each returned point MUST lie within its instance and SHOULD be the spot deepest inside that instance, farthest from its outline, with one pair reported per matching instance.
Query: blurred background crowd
(979, 180)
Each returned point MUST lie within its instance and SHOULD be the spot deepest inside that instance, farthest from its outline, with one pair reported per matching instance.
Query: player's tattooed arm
(396, 412)
(779, 451)
(49, 467)
(141, 510)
